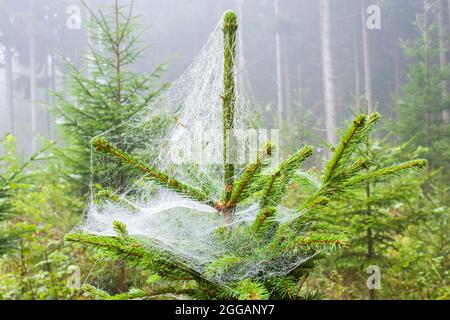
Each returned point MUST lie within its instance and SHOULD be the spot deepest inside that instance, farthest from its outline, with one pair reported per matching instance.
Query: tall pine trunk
(443, 44)
(53, 85)
(397, 68)
(242, 75)
(33, 86)
(9, 81)
(426, 55)
(301, 119)
(279, 64)
(286, 75)
(356, 60)
(327, 71)
(47, 73)
(367, 64)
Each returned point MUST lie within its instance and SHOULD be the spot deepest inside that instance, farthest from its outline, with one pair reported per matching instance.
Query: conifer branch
(316, 241)
(351, 140)
(307, 182)
(123, 247)
(202, 180)
(242, 187)
(383, 173)
(167, 290)
(276, 184)
(108, 194)
(260, 222)
(155, 175)
(356, 167)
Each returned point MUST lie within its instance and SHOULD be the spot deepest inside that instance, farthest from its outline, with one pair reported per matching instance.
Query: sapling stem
(229, 29)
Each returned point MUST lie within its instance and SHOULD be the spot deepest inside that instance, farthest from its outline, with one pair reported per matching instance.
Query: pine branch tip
(419, 163)
(230, 19)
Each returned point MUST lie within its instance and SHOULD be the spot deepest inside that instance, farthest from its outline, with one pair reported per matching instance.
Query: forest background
(310, 65)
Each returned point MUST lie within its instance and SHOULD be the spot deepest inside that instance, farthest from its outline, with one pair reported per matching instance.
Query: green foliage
(351, 140)
(308, 233)
(155, 175)
(420, 108)
(155, 288)
(12, 179)
(229, 29)
(245, 185)
(400, 225)
(106, 91)
(36, 265)
(372, 216)
(44, 207)
(6, 209)
(251, 290)
(422, 250)
(306, 237)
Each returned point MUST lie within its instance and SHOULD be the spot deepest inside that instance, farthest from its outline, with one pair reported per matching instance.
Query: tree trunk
(117, 52)
(302, 117)
(122, 277)
(426, 54)
(367, 65)
(53, 88)
(397, 68)
(279, 63)
(91, 39)
(47, 67)
(448, 8)
(241, 58)
(33, 86)
(370, 239)
(286, 76)
(327, 71)
(300, 85)
(443, 32)
(356, 60)
(9, 80)
(228, 102)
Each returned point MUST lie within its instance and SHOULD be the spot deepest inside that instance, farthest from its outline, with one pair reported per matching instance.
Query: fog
(281, 50)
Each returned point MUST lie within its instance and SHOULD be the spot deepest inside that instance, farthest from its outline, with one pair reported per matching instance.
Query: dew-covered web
(180, 133)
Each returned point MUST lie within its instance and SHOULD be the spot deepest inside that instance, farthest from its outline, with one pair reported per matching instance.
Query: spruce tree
(373, 217)
(420, 107)
(421, 113)
(13, 176)
(421, 252)
(107, 90)
(6, 240)
(306, 237)
(10, 176)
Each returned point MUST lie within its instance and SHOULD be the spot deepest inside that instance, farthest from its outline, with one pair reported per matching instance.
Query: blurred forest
(310, 65)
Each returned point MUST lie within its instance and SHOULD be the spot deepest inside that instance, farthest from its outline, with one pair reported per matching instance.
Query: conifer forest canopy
(224, 150)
